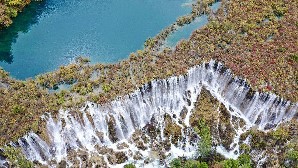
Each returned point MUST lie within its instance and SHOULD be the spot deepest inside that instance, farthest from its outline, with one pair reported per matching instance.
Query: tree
(205, 143)
(176, 163)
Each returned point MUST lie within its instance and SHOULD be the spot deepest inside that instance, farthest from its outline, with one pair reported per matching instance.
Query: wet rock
(137, 156)
(205, 108)
(138, 141)
(129, 153)
(250, 94)
(258, 121)
(269, 126)
(140, 145)
(83, 157)
(105, 150)
(100, 135)
(162, 156)
(117, 158)
(136, 135)
(167, 145)
(145, 138)
(112, 130)
(293, 128)
(147, 161)
(97, 161)
(112, 159)
(155, 146)
(236, 121)
(121, 157)
(174, 116)
(183, 113)
(62, 164)
(172, 130)
(122, 145)
(226, 134)
(188, 102)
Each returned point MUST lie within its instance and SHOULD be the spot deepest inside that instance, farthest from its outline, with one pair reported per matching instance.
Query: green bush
(149, 42)
(231, 163)
(279, 10)
(195, 164)
(17, 109)
(294, 57)
(176, 163)
(203, 165)
(280, 134)
(292, 155)
(130, 165)
(10, 9)
(106, 88)
(192, 164)
(205, 143)
(16, 158)
(245, 148)
(243, 161)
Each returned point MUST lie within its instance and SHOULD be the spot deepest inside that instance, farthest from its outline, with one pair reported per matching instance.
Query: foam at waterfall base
(108, 125)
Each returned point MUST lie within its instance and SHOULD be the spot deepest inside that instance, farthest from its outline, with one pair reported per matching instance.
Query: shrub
(192, 164)
(16, 158)
(17, 109)
(243, 161)
(278, 10)
(175, 163)
(203, 165)
(292, 156)
(205, 143)
(195, 164)
(130, 165)
(294, 57)
(245, 148)
(106, 88)
(280, 134)
(231, 163)
(149, 42)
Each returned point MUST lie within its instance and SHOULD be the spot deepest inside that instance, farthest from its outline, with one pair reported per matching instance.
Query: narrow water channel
(185, 31)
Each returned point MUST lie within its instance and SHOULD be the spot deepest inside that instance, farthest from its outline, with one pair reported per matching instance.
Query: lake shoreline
(10, 11)
(268, 65)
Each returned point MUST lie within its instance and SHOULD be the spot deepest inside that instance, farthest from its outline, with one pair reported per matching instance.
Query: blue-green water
(52, 33)
(185, 31)
(214, 7)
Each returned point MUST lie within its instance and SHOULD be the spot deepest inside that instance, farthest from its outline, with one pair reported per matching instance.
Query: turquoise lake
(52, 33)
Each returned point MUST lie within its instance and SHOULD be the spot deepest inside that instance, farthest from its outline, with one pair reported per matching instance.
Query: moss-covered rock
(172, 131)
(216, 116)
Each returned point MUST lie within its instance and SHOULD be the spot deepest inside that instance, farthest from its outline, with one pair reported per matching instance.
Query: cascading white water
(115, 122)
(3, 162)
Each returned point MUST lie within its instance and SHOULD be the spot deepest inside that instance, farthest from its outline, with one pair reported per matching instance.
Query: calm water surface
(52, 33)
(186, 31)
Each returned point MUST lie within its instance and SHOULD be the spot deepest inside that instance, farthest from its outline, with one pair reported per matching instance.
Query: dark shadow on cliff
(21, 23)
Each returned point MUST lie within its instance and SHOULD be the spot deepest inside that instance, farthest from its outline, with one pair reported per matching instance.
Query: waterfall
(3, 162)
(107, 126)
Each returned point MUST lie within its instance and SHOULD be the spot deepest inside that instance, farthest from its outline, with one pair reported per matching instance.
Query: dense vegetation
(280, 145)
(257, 39)
(9, 9)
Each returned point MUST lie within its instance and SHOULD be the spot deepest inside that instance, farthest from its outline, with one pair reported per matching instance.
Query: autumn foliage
(9, 9)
